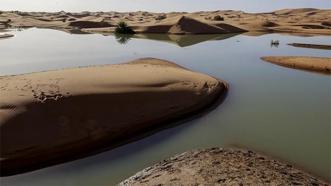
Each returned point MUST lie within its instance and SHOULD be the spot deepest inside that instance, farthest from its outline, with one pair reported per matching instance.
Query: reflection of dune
(184, 40)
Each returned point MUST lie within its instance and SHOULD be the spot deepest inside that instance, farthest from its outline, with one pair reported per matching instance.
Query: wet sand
(51, 117)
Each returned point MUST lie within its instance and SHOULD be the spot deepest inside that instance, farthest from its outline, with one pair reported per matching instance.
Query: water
(282, 112)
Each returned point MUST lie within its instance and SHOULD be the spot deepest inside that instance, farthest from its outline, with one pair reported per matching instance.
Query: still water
(282, 112)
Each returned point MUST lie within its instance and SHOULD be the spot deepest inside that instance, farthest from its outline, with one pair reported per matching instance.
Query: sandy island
(317, 64)
(218, 166)
(56, 116)
(313, 46)
(2, 36)
(300, 21)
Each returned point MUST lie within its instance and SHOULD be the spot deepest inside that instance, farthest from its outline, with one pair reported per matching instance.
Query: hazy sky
(159, 5)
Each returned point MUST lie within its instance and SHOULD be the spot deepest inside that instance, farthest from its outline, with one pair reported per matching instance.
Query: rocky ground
(217, 166)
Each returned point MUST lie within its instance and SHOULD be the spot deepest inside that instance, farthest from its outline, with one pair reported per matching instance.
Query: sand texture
(300, 21)
(317, 64)
(56, 116)
(313, 46)
(218, 166)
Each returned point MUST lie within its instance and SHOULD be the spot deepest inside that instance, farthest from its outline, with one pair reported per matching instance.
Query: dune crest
(186, 25)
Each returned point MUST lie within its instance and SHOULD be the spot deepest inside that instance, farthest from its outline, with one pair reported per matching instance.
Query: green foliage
(123, 38)
(123, 28)
(218, 18)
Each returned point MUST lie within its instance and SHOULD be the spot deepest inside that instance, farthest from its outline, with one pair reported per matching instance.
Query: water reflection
(123, 38)
(184, 40)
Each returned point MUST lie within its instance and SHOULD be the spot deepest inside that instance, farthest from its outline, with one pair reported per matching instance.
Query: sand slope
(187, 25)
(218, 166)
(299, 21)
(55, 116)
(318, 64)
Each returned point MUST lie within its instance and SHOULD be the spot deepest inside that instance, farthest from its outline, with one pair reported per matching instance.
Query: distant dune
(301, 21)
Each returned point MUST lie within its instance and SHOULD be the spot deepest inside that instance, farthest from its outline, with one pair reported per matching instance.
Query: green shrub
(123, 28)
(218, 18)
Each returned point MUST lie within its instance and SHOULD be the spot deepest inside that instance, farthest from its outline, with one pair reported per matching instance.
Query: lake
(282, 112)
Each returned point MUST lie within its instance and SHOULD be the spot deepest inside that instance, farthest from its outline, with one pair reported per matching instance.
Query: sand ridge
(300, 21)
(55, 116)
(317, 64)
(314, 46)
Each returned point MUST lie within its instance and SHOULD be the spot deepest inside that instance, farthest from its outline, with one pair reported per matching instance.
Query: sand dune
(318, 64)
(56, 116)
(299, 21)
(218, 166)
(186, 25)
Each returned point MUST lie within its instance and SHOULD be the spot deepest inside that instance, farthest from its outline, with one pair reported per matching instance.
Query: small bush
(123, 28)
(218, 18)
(160, 17)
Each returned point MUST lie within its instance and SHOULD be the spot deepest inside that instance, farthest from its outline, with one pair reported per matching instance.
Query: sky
(159, 5)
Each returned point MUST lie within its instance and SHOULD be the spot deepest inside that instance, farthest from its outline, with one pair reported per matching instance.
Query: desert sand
(317, 64)
(55, 116)
(217, 166)
(300, 21)
(314, 46)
